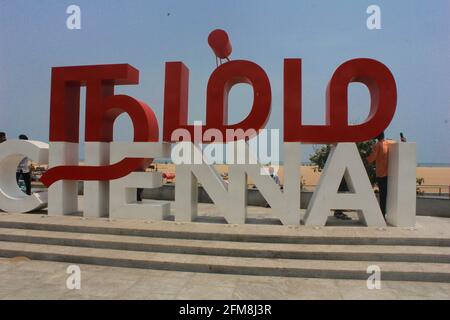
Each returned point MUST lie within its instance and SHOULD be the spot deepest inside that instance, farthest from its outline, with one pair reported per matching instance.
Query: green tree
(320, 156)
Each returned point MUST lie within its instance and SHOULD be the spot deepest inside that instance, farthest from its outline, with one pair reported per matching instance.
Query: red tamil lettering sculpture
(220, 43)
(103, 107)
(219, 86)
(383, 95)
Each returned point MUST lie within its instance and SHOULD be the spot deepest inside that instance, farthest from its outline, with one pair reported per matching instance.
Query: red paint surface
(383, 94)
(219, 86)
(102, 109)
(103, 106)
(220, 43)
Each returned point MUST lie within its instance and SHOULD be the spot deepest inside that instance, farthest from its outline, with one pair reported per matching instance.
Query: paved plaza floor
(21, 278)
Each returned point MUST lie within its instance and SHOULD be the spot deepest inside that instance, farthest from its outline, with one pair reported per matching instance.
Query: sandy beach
(434, 177)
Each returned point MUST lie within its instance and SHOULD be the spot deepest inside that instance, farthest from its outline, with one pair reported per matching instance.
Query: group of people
(24, 168)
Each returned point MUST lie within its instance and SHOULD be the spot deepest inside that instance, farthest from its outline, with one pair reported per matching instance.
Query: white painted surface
(401, 196)
(63, 195)
(344, 159)
(231, 199)
(12, 198)
(123, 192)
(96, 193)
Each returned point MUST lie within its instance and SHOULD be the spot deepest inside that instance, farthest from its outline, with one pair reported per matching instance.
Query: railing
(429, 190)
(435, 190)
(426, 190)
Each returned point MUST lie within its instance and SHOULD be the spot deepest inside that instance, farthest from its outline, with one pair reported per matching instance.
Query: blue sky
(413, 43)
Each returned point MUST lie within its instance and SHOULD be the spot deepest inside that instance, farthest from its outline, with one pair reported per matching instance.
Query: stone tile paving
(21, 278)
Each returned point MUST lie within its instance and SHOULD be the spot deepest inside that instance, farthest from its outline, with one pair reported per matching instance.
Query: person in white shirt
(275, 178)
(24, 170)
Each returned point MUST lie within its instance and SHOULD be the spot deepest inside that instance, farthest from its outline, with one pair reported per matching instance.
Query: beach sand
(434, 177)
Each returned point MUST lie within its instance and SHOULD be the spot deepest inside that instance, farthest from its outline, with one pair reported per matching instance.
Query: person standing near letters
(2, 137)
(24, 170)
(402, 137)
(275, 178)
(380, 155)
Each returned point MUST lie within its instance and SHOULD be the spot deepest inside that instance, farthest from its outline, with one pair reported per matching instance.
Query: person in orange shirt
(380, 155)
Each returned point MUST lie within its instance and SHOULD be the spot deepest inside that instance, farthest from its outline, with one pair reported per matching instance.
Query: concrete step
(399, 271)
(237, 233)
(233, 249)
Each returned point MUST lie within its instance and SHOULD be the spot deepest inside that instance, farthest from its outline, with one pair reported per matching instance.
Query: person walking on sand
(380, 155)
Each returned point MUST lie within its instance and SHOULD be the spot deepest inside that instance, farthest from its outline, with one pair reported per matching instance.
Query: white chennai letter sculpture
(12, 199)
